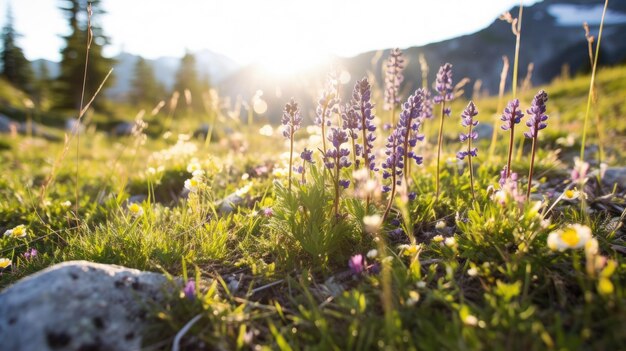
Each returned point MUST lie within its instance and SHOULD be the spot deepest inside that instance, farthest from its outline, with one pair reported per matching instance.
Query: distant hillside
(552, 36)
(212, 65)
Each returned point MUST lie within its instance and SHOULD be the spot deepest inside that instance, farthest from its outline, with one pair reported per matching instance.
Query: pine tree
(187, 78)
(144, 86)
(41, 91)
(70, 81)
(15, 67)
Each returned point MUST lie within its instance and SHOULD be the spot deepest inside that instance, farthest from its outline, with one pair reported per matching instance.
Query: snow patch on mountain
(575, 15)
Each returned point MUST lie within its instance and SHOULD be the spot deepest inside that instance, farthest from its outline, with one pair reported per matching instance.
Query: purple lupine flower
(335, 159)
(357, 264)
(307, 156)
(393, 166)
(291, 119)
(410, 122)
(326, 106)
(444, 85)
(512, 115)
(362, 106)
(393, 79)
(351, 124)
(537, 117)
(537, 114)
(467, 120)
(190, 290)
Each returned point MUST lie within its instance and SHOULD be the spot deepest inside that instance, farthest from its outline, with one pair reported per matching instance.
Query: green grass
(283, 281)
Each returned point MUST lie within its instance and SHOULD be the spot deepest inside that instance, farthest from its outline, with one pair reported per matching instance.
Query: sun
(288, 63)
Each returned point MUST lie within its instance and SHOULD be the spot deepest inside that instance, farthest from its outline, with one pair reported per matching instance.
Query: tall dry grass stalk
(592, 83)
(600, 131)
(503, 75)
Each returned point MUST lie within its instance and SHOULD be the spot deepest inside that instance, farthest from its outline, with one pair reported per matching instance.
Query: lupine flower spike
(393, 79)
(410, 121)
(393, 166)
(351, 126)
(537, 117)
(336, 159)
(467, 120)
(291, 122)
(363, 109)
(326, 106)
(512, 115)
(307, 157)
(444, 89)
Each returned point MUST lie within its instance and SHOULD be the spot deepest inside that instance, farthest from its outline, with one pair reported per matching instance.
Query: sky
(271, 32)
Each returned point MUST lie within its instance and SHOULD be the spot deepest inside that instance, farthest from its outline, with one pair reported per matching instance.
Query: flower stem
(469, 160)
(439, 142)
(365, 152)
(532, 167)
(511, 141)
(290, 155)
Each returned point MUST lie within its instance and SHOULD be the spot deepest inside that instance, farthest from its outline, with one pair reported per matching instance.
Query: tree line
(65, 91)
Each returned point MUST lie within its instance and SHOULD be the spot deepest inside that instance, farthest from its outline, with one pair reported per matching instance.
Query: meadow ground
(268, 265)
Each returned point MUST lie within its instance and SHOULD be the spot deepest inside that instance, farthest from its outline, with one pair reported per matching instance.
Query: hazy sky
(278, 31)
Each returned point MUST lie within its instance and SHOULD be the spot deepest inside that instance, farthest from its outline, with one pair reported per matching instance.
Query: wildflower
(4, 263)
(409, 250)
(571, 194)
(243, 190)
(372, 223)
(337, 159)
(357, 264)
(512, 115)
(306, 156)
(291, 121)
(192, 184)
(470, 320)
(351, 125)
(450, 242)
(573, 236)
(536, 120)
(135, 209)
(393, 165)
(414, 297)
(371, 254)
(472, 272)
(579, 172)
(421, 284)
(438, 238)
(268, 212)
(17, 232)
(326, 106)
(66, 204)
(393, 79)
(362, 106)
(605, 287)
(410, 121)
(444, 89)
(440, 225)
(30, 254)
(197, 173)
(190, 290)
(266, 130)
(194, 165)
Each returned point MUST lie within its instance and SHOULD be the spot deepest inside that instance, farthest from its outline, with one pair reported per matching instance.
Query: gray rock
(615, 175)
(74, 126)
(484, 130)
(7, 124)
(123, 129)
(78, 305)
(230, 203)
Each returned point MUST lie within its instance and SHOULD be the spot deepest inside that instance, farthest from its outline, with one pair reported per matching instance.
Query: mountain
(210, 65)
(552, 36)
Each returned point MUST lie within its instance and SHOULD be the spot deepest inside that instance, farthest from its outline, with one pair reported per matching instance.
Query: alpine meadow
(204, 175)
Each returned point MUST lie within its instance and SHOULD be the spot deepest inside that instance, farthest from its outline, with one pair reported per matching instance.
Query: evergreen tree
(187, 78)
(15, 67)
(41, 91)
(144, 86)
(70, 82)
